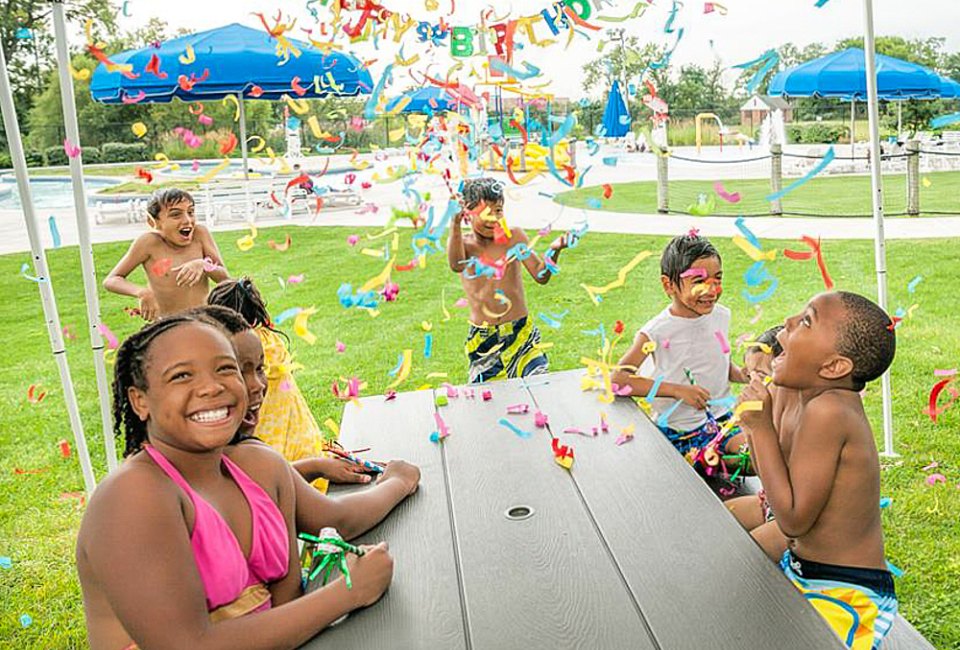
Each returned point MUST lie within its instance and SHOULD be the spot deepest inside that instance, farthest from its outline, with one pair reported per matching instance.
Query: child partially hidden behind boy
(503, 342)
(825, 491)
(178, 255)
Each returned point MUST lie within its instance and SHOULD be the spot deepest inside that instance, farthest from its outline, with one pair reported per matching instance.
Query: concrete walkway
(530, 207)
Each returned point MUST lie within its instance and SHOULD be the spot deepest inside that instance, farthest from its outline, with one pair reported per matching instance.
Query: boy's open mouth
(186, 231)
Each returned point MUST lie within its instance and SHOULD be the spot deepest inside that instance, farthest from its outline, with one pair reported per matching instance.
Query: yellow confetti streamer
(188, 57)
(506, 228)
(333, 426)
(298, 106)
(206, 178)
(404, 369)
(260, 146)
(766, 349)
(388, 231)
(300, 325)
(236, 106)
(163, 160)
(755, 253)
(315, 127)
(83, 74)
(437, 375)
(139, 129)
(593, 292)
(443, 305)
(503, 300)
(402, 104)
(378, 280)
(397, 134)
(246, 242)
(649, 347)
(426, 325)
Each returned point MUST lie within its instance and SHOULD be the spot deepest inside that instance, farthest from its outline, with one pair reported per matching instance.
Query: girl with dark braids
(191, 542)
(284, 420)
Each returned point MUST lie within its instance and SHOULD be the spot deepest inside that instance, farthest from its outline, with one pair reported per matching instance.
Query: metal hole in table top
(518, 513)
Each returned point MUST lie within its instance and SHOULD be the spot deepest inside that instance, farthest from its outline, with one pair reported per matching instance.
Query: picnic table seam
(603, 539)
(455, 540)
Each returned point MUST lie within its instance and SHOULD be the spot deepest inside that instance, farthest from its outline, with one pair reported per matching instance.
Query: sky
(749, 28)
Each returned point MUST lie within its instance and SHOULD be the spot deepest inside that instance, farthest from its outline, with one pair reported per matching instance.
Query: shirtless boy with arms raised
(503, 343)
(178, 255)
(826, 490)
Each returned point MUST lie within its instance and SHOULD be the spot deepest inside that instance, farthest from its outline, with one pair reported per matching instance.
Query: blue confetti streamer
(517, 430)
(428, 345)
(885, 502)
(665, 416)
(747, 233)
(827, 159)
(897, 572)
(654, 389)
(754, 299)
(723, 402)
(287, 314)
(912, 287)
(393, 373)
(54, 232)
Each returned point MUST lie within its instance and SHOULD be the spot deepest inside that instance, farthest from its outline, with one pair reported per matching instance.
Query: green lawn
(822, 196)
(38, 528)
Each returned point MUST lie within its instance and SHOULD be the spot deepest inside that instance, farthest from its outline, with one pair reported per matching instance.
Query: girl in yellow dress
(285, 421)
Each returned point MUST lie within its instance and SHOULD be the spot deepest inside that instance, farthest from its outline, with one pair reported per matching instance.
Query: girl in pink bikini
(191, 543)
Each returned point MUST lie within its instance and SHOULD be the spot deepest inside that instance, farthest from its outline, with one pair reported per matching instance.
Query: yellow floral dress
(286, 423)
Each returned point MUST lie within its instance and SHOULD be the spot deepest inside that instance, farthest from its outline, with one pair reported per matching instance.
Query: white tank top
(691, 343)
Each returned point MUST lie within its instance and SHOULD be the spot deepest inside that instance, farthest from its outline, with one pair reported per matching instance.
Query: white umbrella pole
(12, 127)
(877, 186)
(853, 128)
(243, 151)
(83, 230)
(899, 118)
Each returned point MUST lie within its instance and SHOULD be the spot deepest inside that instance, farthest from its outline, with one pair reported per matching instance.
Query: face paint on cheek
(718, 289)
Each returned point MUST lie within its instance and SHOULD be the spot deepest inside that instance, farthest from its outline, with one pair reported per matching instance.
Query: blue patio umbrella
(949, 88)
(430, 99)
(232, 60)
(843, 75)
(616, 117)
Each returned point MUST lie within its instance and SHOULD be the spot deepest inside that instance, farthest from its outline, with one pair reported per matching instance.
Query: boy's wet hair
(229, 319)
(481, 190)
(682, 252)
(163, 199)
(769, 338)
(866, 337)
(130, 369)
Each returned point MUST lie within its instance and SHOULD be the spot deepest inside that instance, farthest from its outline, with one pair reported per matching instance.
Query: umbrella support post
(251, 215)
(876, 182)
(90, 287)
(45, 286)
(853, 130)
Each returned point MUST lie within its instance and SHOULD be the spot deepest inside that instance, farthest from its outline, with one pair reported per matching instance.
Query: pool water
(50, 192)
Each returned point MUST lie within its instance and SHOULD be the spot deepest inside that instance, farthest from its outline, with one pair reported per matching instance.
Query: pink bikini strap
(169, 469)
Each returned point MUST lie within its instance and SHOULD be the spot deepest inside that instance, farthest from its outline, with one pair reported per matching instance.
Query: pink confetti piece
(112, 342)
(518, 409)
(756, 318)
(694, 272)
(461, 303)
(665, 344)
(341, 346)
(442, 429)
(945, 373)
(452, 391)
(487, 395)
(389, 395)
(933, 479)
(195, 166)
(540, 419)
(71, 149)
(353, 240)
(285, 386)
(580, 432)
(295, 279)
(622, 391)
(931, 466)
(623, 439)
(469, 393)
(724, 346)
(729, 197)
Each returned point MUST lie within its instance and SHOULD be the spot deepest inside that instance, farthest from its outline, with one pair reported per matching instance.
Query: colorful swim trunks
(859, 604)
(505, 351)
(700, 437)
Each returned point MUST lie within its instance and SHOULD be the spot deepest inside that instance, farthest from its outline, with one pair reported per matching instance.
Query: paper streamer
(594, 292)
(517, 430)
(729, 197)
(54, 232)
(112, 342)
(404, 372)
(823, 164)
(300, 325)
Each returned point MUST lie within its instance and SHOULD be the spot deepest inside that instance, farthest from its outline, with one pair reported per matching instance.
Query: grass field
(38, 525)
(823, 196)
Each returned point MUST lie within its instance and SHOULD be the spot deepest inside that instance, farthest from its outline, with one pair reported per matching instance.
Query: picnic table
(501, 547)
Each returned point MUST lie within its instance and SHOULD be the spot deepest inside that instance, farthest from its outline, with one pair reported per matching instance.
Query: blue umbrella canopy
(949, 89)
(616, 117)
(843, 75)
(226, 61)
(429, 99)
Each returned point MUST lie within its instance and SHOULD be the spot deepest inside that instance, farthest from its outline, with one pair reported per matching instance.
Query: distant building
(759, 106)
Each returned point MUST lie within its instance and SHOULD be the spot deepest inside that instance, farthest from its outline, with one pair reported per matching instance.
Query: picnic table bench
(503, 548)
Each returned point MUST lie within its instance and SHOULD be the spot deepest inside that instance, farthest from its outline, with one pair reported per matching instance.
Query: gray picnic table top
(630, 548)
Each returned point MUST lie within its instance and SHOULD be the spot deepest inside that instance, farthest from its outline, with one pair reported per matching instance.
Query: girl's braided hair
(243, 297)
(131, 370)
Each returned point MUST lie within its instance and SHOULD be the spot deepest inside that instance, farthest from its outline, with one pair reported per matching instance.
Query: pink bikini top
(224, 570)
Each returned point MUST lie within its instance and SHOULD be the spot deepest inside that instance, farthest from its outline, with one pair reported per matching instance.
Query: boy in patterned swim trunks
(826, 491)
(502, 343)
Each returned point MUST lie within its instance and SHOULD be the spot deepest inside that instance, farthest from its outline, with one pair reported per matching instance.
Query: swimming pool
(51, 192)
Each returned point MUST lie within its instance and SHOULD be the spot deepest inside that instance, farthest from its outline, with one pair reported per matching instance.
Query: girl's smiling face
(195, 398)
(250, 357)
